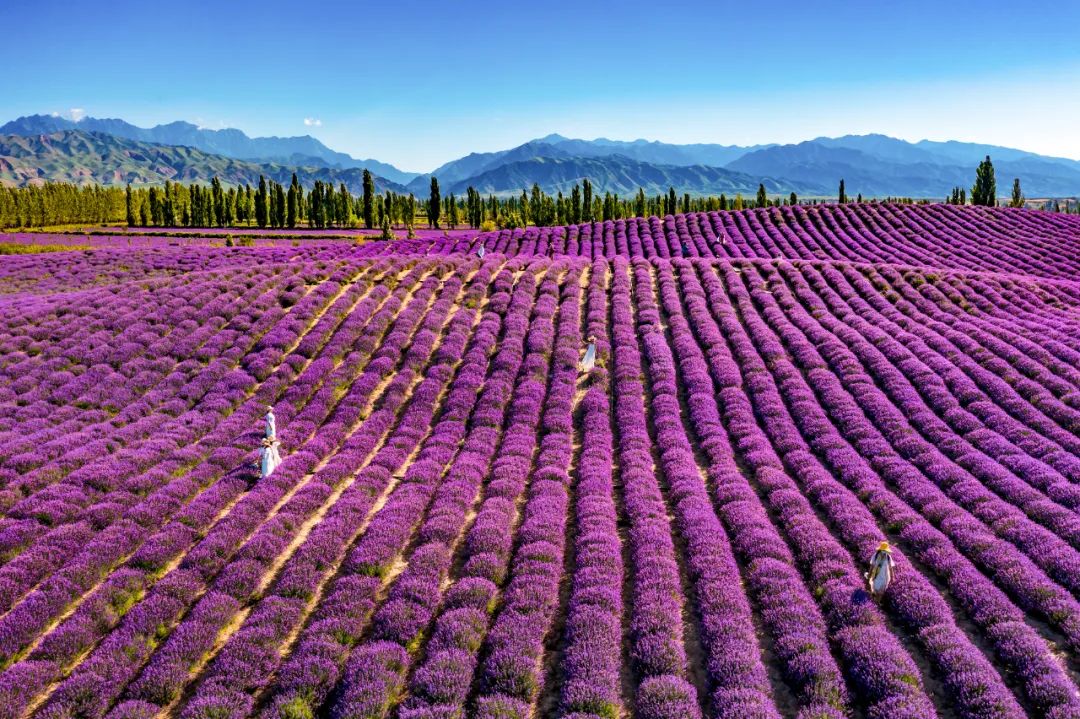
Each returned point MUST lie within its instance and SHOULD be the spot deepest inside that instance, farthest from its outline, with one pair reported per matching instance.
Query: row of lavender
(113, 269)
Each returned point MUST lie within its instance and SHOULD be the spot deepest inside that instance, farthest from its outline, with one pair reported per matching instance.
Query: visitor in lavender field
(589, 360)
(271, 423)
(480, 252)
(269, 458)
(881, 570)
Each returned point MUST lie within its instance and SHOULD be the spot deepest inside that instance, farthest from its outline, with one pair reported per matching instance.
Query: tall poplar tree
(261, 213)
(315, 214)
(523, 203)
(279, 205)
(218, 197)
(984, 192)
(453, 213)
(1017, 195)
(434, 204)
(842, 198)
(762, 197)
(292, 213)
(330, 212)
(131, 209)
(168, 209)
(390, 203)
(345, 208)
(536, 206)
(369, 200)
(408, 212)
(228, 203)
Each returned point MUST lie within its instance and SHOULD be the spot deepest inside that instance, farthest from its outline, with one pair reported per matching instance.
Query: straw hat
(884, 547)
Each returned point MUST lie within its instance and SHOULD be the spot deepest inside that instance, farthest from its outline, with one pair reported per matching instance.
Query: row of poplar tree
(269, 204)
(583, 205)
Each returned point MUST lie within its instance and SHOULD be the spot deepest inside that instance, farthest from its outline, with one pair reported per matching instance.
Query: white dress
(269, 459)
(589, 361)
(880, 574)
(271, 425)
(480, 252)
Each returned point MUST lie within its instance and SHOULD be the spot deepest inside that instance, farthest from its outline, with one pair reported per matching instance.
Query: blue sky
(418, 83)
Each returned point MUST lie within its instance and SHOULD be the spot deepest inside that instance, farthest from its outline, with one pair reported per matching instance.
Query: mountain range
(877, 165)
(302, 151)
(94, 157)
(45, 147)
(558, 147)
(618, 174)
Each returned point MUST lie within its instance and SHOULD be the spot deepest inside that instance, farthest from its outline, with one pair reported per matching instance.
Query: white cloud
(204, 124)
(312, 122)
(76, 113)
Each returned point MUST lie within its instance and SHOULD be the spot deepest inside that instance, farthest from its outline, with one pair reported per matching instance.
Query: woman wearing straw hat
(269, 459)
(589, 361)
(271, 423)
(881, 570)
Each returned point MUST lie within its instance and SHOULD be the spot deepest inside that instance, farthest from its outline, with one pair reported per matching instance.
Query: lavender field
(468, 523)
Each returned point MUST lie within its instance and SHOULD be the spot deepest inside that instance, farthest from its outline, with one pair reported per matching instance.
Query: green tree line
(267, 204)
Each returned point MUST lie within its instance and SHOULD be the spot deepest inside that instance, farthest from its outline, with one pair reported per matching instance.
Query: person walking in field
(481, 252)
(271, 423)
(881, 570)
(269, 458)
(589, 361)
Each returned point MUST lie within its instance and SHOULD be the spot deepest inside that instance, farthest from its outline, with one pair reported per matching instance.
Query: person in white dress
(481, 252)
(269, 458)
(881, 570)
(271, 423)
(589, 361)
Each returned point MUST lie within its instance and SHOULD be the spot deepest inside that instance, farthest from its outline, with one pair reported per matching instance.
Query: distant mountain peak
(175, 123)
